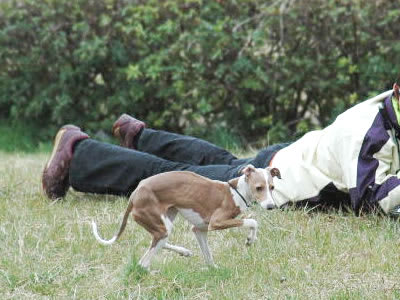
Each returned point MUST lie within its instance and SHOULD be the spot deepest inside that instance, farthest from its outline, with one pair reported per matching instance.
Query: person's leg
(264, 156)
(175, 147)
(196, 151)
(181, 148)
(91, 166)
(103, 168)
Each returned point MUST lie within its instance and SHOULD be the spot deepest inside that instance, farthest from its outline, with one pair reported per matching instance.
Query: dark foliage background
(252, 70)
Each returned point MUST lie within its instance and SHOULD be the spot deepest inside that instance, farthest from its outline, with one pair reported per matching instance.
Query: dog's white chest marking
(238, 201)
(192, 216)
(236, 197)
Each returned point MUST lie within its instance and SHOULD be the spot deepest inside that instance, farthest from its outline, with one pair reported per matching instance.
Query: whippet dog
(207, 204)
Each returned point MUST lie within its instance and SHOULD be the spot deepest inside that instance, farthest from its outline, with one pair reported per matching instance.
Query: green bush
(21, 137)
(256, 68)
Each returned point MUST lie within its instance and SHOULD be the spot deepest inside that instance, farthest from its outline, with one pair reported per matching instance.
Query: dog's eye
(271, 187)
(259, 188)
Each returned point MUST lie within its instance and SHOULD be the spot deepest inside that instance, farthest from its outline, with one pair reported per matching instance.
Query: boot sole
(56, 143)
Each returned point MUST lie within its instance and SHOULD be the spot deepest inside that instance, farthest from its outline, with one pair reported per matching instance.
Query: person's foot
(55, 181)
(126, 128)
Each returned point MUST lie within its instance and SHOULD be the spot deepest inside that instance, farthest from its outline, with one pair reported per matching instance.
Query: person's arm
(386, 191)
(376, 181)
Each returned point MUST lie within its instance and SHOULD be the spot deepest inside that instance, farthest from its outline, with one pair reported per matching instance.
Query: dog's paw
(250, 240)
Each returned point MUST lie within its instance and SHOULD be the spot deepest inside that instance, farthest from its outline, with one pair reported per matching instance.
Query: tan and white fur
(207, 204)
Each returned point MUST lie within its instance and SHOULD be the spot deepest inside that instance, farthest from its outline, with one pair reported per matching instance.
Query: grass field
(47, 251)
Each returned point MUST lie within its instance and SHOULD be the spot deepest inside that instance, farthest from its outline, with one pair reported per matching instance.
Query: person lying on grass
(354, 160)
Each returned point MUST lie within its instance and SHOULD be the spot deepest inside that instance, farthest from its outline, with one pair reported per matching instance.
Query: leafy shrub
(251, 66)
(21, 137)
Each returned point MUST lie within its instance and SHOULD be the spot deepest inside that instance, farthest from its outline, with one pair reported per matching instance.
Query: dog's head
(260, 185)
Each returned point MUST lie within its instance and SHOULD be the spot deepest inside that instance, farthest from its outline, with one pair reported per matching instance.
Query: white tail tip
(99, 239)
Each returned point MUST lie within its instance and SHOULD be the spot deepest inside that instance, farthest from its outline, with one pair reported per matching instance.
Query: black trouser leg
(180, 148)
(103, 168)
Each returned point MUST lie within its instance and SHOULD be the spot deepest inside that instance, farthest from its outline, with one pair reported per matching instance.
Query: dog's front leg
(252, 225)
(201, 236)
(219, 224)
(156, 244)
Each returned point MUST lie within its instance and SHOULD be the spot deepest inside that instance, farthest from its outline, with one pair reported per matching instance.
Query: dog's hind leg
(152, 251)
(168, 220)
(158, 226)
(201, 236)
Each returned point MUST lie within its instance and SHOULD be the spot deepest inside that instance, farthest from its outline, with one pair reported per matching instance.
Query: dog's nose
(270, 206)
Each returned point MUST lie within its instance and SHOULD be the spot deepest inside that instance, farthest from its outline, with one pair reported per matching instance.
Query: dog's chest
(192, 216)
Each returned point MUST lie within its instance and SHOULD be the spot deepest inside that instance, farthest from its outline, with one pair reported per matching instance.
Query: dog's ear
(275, 172)
(248, 170)
(234, 182)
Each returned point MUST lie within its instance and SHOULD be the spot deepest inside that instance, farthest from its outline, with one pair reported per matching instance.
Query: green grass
(19, 136)
(47, 251)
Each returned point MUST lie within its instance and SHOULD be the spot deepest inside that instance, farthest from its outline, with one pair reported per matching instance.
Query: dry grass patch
(47, 250)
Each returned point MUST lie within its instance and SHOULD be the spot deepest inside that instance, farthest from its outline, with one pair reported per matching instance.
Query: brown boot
(126, 128)
(55, 181)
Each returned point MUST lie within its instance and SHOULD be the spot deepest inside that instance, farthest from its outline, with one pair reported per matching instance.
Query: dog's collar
(240, 195)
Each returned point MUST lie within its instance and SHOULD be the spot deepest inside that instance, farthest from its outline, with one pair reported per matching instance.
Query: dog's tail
(121, 229)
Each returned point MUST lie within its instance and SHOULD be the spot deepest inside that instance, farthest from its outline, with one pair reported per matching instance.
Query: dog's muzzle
(270, 206)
